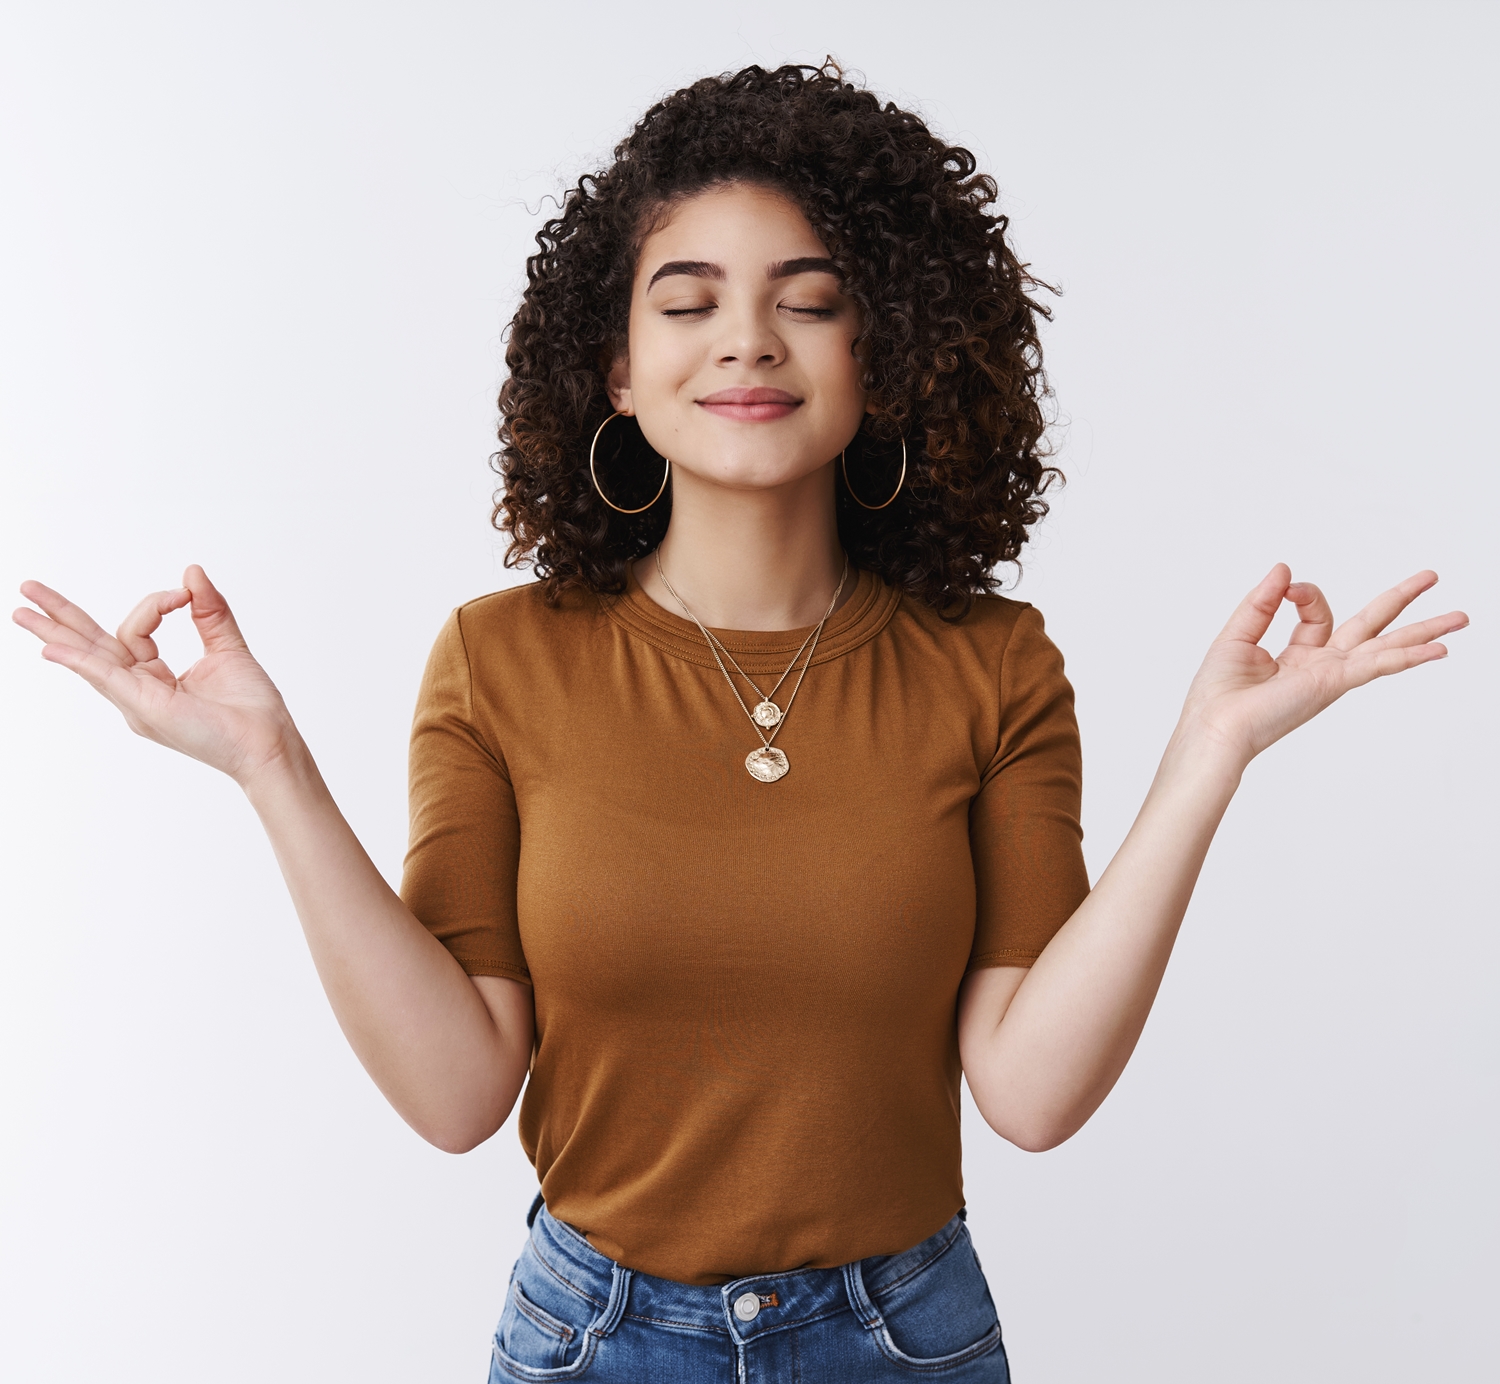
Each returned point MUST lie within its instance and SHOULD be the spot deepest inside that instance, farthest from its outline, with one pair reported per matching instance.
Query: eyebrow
(783, 269)
(809, 264)
(697, 269)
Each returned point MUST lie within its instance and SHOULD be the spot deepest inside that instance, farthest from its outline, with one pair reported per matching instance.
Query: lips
(750, 405)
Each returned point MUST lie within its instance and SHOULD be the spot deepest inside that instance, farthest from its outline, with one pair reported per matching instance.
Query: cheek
(841, 372)
(660, 361)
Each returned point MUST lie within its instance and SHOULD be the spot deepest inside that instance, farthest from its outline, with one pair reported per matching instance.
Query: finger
(1381, 611)
(211, 614)
(1380, 663)
(105, 676)
(137, 628)
(1314, 618)
(50, 632)
(73, 617)
(1253, 616)
(1423, 632)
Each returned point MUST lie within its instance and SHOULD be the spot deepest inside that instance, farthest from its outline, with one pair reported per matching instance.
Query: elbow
(1032, 1132)
(1034, 1120)
(463, 1120)
(1040, 1138)
(455, 1142)
(456, 1136)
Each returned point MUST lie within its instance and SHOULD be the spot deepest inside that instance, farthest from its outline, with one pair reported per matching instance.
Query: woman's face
(741, 366)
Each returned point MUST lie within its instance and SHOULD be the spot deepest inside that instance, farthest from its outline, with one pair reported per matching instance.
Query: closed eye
(821, 313)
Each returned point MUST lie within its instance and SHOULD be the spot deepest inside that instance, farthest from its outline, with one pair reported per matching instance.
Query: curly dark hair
(948, 337)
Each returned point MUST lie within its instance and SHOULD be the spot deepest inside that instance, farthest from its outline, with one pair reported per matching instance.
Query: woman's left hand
(1041, 1048)
(1245, 699)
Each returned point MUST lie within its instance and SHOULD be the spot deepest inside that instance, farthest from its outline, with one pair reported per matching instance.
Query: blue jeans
(573, 1313)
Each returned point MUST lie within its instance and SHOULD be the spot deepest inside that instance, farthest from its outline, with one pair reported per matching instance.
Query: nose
(749, 337)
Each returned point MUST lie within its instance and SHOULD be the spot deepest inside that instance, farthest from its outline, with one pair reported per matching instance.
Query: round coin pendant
(767, 764)
(766, 714)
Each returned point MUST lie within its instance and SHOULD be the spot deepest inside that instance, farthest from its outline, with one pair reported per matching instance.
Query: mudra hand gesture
(449, 1053)
(1040, 1048)
(1246, 700)
(223, 710)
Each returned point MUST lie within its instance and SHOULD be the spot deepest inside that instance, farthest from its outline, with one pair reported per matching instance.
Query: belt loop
(859, 1299)
(619, 1296)
(535, 1207)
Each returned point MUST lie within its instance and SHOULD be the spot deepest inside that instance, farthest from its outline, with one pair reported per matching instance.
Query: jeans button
(747, 1307)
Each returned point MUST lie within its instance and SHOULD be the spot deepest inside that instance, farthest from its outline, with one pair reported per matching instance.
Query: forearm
(451, 1068)
(1041, 1065)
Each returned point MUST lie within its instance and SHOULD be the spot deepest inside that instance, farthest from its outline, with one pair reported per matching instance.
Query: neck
(750, 559)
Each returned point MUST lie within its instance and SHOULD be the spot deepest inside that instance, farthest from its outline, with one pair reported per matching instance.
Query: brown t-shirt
(746, 1057)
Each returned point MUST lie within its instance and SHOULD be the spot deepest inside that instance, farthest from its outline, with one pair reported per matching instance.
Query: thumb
(211, 614)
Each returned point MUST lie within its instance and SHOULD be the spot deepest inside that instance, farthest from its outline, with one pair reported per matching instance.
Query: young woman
(755, 822)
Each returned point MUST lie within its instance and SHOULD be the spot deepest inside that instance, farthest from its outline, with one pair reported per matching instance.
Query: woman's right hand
(450, 1054)
(224, 710)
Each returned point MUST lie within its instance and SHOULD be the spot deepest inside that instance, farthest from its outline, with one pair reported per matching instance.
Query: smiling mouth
(750, 405)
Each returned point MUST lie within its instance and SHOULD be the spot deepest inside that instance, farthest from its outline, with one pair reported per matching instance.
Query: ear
(617, 382)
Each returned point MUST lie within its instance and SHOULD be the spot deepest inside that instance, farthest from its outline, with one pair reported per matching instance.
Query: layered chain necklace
(766, 763)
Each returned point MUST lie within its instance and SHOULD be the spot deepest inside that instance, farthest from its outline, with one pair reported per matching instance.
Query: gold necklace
(766, 764)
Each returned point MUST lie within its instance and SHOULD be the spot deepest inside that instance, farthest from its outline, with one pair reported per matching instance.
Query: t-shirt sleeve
(1024, 822)
(460, 875)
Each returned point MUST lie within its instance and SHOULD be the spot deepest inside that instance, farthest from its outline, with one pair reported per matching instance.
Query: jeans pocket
(942, 1316)
(532, 1335)
(543, 1333)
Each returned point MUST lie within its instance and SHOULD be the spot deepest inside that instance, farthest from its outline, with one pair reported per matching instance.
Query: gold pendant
(766, 714)
(767, 764)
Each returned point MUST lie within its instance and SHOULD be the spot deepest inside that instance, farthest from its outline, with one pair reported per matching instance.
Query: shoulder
(525, 601)
(991, 624)
(508, 641)
(520, 616)
(999, 649)
(514, 637)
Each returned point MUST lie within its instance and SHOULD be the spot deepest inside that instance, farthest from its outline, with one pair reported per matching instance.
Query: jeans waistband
(781, 1300)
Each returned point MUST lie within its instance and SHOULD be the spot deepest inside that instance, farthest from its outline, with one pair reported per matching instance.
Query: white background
(257, 260)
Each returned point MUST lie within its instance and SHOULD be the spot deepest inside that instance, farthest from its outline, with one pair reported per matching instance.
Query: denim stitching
(587, 1297)
(573, 1234)
(937, 1254)
(833, 1311)
(892, 1352)
(562, 1278)
(583, 1244)
(519, 1371)
(686, 1326)
(543, 1319)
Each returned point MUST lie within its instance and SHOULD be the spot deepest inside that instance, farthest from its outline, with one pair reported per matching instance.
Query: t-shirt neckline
(868, 610)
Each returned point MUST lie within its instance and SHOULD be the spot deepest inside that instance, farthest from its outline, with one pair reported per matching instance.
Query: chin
(755, 473)
(758, 464)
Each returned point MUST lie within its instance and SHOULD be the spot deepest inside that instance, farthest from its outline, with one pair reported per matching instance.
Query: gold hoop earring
(901, 480)
(594, 476)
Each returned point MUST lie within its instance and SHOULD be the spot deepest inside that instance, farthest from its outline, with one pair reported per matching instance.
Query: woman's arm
(449, 1052)
(1041, 1048)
